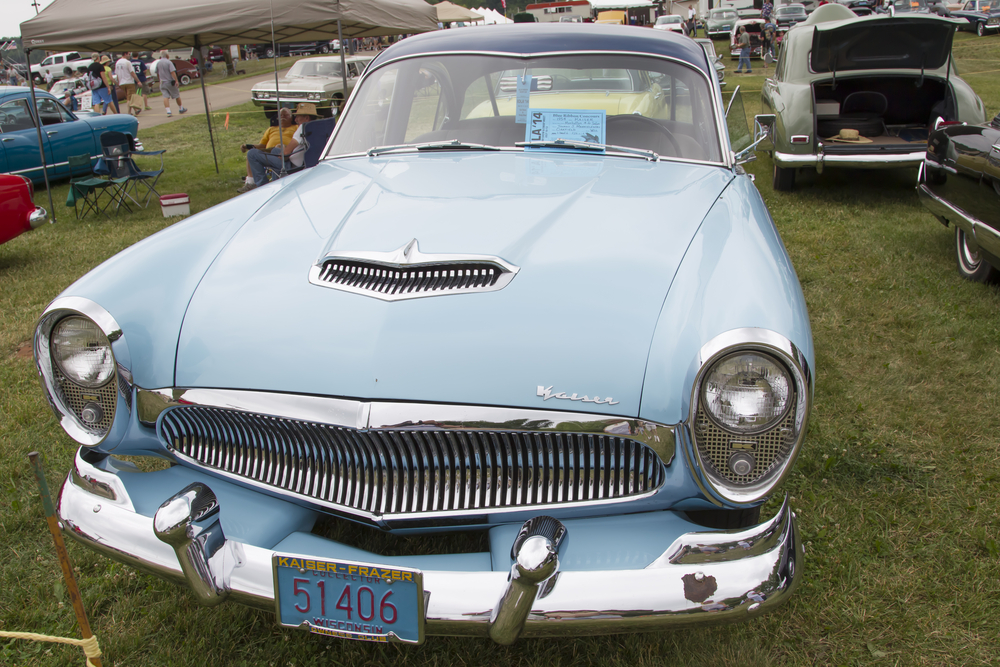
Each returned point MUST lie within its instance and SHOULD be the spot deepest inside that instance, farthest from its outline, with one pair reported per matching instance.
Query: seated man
(270, 141)
(259, 161)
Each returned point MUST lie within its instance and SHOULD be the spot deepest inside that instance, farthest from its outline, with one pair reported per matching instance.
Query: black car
(859, 7)
(786, 16)
(959, 182)
(292, 49)
(981, 16)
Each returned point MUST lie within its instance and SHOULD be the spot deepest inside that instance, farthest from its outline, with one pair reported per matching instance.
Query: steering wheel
(643, 123)
(6, 119)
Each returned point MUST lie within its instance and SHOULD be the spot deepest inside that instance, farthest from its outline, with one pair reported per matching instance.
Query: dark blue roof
(539, 38)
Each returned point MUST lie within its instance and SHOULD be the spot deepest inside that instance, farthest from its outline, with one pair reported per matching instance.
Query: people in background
(170, 87)
(126, 79)
(743, 40)
(102, 87)
(273, 139)
(140, 70)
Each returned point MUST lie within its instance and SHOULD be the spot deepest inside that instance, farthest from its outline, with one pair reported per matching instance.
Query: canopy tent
(141, 25)
(150, 25)
(448, 12)
(602, 5)
(492, 16)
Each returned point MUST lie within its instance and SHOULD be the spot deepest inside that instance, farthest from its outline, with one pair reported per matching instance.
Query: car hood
(917, 42)
(312, 83)
(597, 241)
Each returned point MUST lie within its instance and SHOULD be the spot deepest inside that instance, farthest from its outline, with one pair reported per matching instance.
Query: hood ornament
(546, 394)
(407, 273)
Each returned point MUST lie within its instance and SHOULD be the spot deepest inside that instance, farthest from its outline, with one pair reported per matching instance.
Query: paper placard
(566, 124)
(523, 99)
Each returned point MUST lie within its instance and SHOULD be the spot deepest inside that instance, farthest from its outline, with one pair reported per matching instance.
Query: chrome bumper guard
(858, 161)
(703, 577)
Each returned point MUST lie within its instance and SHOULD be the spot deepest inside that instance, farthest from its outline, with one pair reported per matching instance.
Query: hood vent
(407, 273)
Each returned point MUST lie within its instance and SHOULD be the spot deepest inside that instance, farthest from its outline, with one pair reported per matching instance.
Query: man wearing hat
(294, 153)
(101, 95)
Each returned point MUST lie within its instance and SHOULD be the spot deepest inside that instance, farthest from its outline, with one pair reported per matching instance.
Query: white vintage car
(318, 80)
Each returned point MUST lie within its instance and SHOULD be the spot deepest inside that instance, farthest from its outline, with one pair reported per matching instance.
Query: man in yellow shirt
(270, 141)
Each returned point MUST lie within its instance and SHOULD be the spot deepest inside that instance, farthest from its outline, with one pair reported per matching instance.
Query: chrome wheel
(980, 28)
(970, 263)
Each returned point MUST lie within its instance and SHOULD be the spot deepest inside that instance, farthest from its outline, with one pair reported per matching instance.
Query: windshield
(307, 68)
(668, 19)
(723, 14)
(633, 101)
(790, 11)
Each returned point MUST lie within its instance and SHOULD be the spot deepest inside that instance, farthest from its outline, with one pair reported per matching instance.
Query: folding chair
(119, 149)
(87, 189)
(315, 134)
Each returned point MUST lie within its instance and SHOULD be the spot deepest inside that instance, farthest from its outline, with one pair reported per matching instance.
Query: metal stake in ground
(67, 568)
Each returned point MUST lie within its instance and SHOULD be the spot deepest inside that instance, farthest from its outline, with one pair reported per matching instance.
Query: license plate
(348, 599)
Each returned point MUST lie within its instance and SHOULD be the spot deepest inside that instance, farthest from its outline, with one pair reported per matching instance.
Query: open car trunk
(891, 114)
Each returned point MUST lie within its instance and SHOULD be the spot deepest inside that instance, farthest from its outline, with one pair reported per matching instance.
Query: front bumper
(853, 160)
(702, 577)
(273, 102)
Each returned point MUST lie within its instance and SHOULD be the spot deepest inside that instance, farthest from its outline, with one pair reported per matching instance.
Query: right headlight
(749, 413)
(83, 362)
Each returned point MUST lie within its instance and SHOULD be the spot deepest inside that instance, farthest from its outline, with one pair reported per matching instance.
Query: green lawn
(897, 488)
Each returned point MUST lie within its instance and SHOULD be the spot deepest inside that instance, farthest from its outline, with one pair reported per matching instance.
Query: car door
(66, 135)
(19, 138)
(990, 191)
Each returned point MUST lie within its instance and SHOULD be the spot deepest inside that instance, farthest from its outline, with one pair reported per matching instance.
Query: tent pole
(38, 131)
(343, 63)
(204, 96)
(277, 92)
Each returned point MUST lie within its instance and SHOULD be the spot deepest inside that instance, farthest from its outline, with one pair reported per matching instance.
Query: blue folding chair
(119, 149)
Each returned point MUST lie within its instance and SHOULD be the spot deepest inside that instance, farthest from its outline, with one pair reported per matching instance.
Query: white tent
(491, 16)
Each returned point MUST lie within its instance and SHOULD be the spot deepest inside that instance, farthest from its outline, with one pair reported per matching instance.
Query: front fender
(735, 274)
(147, 287)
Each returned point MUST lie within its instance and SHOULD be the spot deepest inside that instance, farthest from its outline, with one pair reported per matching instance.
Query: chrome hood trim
(407, 273)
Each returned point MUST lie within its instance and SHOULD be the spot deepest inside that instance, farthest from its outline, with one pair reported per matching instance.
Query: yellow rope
(89, 645)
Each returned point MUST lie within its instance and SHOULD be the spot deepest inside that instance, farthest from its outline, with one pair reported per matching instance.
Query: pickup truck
(55, 64)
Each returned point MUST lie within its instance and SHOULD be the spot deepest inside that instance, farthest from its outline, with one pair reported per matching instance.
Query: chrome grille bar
(408, 471)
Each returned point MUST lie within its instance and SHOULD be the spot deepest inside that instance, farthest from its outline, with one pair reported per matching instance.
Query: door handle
(49, 133)
(6, 139)
(996, 147)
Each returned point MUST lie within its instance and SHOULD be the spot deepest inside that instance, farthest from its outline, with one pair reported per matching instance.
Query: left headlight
(748, 415)
(83, 363)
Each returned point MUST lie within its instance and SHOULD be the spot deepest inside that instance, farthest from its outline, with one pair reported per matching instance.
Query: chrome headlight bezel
(717, 487)
(113, 397)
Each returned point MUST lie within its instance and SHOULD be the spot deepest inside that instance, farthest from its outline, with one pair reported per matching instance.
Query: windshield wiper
(587, 146)
(432, 146)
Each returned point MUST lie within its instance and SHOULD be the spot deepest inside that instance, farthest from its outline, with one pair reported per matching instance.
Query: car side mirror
(762, 127)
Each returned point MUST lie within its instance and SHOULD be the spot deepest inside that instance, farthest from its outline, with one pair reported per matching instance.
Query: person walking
(768, 37)
(170, 87)
(100, 84)
(744, 42)
(140, 69)
(126, 79)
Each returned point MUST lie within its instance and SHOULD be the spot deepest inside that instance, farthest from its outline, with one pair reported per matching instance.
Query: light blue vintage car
(529, 293)
(64, 133)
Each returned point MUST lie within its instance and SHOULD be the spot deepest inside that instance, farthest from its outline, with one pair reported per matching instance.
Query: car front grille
(411, 471)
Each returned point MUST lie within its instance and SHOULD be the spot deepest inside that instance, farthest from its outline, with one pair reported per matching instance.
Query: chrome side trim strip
(703, 578)
(869, 161)
(984, 236)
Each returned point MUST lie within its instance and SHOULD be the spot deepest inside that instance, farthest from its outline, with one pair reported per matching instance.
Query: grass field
(897, 488)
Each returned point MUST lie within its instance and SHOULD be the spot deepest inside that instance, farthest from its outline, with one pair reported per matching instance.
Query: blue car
(529, 294)
(64, 133)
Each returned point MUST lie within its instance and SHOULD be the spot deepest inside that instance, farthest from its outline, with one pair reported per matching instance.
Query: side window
(72, 56)
(779, 68)
(52, 113)
(47, 62)
(15, 115)
(59, 60)
(352, 70)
